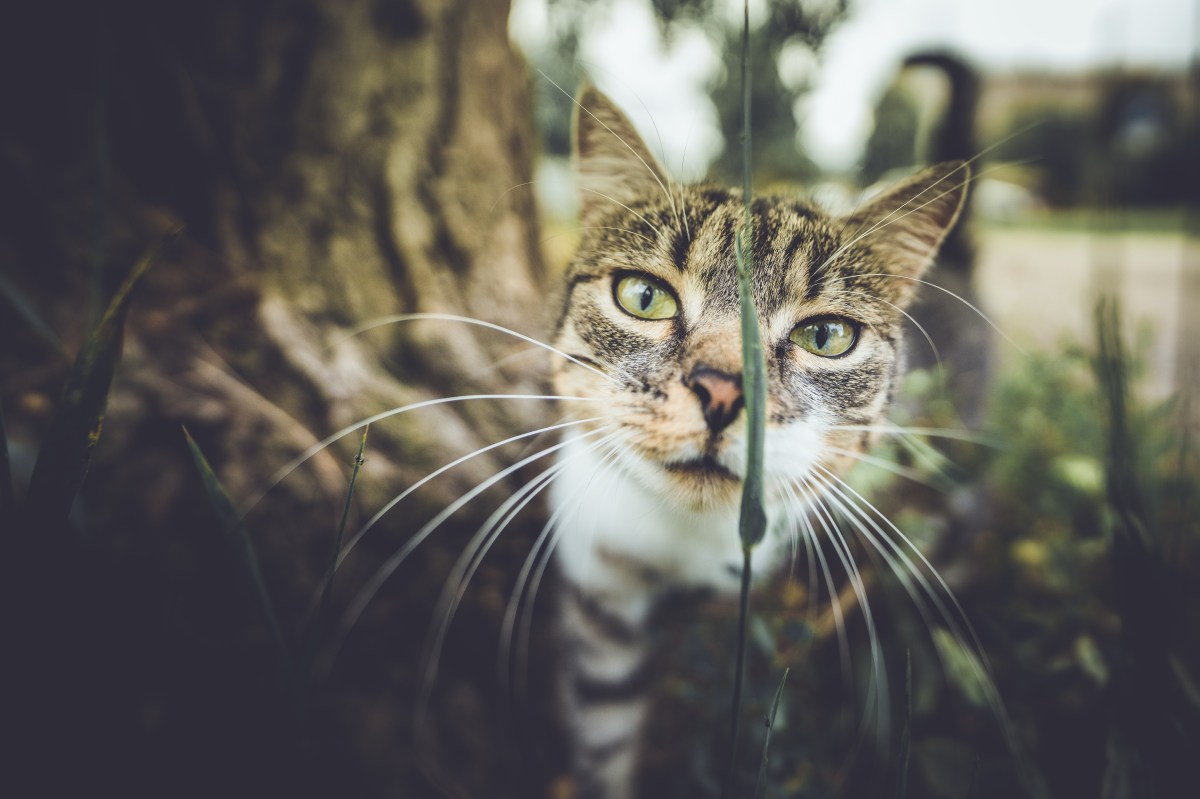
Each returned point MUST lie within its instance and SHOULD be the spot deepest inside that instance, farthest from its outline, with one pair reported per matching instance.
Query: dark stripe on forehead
(789, 251)
(819, 270)
(680, 248)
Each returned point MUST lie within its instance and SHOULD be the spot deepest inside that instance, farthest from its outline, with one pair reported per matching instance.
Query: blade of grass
(752, 521)
(906, 731)
(241, 552)
(26, 310)
(7, 501)
(735, 709)
(66, 452)
(760, 787)
(321, 613)
(327, 588)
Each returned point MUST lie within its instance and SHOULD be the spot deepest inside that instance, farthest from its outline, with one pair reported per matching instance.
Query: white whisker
(963, 300)
(300, 459)
(385, 571)
(886, 465)
(442, 470)
(507, 191)
(467, 320)
(628, 146)
(935, 432)
(464, 570)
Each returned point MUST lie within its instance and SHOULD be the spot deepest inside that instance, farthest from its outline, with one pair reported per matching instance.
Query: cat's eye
(828, 337)
(645, 297)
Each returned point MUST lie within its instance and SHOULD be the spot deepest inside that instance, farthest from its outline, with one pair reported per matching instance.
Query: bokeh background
(289, 171)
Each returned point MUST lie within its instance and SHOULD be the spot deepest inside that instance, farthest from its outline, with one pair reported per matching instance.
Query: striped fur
(658, 511)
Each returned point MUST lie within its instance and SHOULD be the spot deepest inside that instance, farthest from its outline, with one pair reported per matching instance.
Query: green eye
(645, 297)
(828, 337)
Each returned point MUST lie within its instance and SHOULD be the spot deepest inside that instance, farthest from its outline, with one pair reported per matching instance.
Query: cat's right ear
(612, 163)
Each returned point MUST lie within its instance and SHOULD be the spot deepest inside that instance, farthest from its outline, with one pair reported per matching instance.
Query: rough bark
(327, 163)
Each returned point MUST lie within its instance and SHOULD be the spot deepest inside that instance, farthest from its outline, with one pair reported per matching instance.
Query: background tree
(327, 163)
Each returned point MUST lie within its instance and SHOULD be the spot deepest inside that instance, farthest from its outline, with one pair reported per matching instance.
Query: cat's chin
(704, 482)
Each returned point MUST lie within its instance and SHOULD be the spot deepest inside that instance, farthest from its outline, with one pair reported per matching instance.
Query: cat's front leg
(603, 676)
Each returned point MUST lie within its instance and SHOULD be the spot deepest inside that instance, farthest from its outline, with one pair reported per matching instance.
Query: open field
(1040, 286)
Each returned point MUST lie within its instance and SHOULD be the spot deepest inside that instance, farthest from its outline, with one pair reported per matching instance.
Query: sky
(663, 90)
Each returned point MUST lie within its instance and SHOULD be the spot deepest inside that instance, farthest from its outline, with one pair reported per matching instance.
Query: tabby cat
(647, 496)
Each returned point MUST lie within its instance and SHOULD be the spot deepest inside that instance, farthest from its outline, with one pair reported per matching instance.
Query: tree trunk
(327, 163)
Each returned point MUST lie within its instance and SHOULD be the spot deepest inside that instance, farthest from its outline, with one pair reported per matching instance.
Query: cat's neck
(625, 534)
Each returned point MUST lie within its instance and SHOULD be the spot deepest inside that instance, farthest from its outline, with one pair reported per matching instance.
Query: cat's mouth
(706, 467)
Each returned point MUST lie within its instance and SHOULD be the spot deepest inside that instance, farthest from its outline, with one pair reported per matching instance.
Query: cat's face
(651, 301)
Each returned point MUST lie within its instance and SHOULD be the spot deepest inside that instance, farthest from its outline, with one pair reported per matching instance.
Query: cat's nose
(720, 395)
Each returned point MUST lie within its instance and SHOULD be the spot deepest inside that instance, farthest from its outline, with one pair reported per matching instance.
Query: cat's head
(651, 300)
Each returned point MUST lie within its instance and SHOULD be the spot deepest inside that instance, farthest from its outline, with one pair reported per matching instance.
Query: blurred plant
(789, 26)
(1077, 568)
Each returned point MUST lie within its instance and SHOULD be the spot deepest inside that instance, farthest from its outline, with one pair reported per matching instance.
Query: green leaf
(241, 553)
(760, 787)
(66, 452)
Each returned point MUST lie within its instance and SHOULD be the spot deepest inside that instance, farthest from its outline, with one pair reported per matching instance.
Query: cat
(647, 495)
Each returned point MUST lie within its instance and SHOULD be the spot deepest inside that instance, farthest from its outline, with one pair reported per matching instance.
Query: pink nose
(720, 395)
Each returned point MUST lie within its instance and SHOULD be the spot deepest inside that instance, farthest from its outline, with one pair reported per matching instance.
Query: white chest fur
(617, 526)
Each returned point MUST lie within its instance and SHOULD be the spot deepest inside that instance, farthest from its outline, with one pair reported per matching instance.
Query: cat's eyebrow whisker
(282, 473)
(508, 191)
(467, 320)
(628, 146)
(662, 151)
(937, 356)
(944, 290)
(888, 220)
(614, 200)
(606, 227)
(388, 567)
(682, 164)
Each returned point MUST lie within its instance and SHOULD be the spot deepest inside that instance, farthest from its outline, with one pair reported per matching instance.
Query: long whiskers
(367, 593)
(467, 320)
(291, 466)
(945, 290)
(888, 466)
(957, 621)
(878, 690)
(469, 562)
(933, 432)
(447, 467)
(556, 531)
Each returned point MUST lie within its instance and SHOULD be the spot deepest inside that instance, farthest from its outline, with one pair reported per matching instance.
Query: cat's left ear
(907, 223)
(612, 163)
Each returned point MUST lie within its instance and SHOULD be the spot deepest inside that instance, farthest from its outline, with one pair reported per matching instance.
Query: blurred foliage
(1027, 539)
(788, 24)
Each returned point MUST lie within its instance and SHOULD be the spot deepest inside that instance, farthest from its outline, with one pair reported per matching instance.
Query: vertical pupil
(647, 297)
(822, 337)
